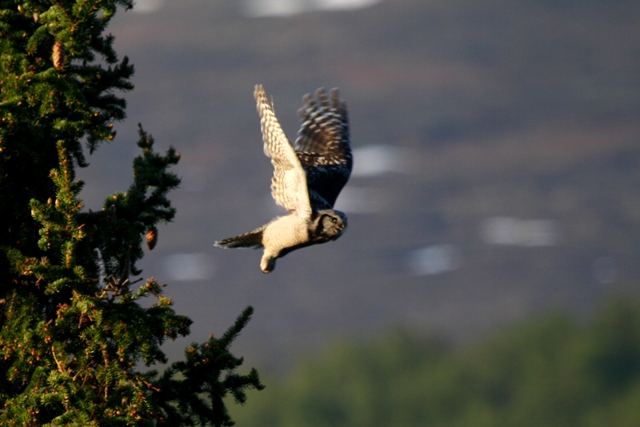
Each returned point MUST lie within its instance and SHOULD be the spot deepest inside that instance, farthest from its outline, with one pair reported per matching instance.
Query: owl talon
(267, 264)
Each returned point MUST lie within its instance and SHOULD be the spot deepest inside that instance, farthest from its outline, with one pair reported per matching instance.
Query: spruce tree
(73, 334)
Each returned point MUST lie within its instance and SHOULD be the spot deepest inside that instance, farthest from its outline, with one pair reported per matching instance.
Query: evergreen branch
(198, 396)
(72, 330)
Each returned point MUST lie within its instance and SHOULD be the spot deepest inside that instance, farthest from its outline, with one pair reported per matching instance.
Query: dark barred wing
(323, 147)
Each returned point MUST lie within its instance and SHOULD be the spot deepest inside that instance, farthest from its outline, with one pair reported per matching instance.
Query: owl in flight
(307, 177)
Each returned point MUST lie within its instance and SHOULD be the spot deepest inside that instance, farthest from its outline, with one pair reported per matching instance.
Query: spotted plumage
(307, 177)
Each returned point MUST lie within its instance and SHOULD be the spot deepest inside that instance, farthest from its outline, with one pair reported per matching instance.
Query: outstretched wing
(289, 183)
(323, 147)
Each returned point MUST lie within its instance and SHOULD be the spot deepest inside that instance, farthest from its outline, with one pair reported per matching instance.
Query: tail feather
(252, 239)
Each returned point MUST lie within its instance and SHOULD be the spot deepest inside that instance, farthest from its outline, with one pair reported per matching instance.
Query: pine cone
(152, 238)
(59, 55)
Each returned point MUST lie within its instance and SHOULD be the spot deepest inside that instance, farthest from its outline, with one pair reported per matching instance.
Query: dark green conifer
(72, 330)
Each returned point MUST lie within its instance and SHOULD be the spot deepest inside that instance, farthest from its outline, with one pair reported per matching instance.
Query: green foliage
(192, 390)
(72, 329)
(552, 371)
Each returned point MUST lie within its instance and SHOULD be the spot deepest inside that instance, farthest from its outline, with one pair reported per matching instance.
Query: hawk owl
(307, 177)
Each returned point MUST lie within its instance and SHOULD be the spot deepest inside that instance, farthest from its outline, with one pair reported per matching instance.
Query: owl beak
(341, 229)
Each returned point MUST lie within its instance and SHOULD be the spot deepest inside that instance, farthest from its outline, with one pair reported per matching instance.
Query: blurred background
(496, 179)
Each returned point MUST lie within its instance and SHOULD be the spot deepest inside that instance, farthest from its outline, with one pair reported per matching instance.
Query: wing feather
(323, 146)
(289, 183)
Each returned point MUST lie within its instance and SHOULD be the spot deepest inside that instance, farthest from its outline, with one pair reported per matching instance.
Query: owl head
(328, 225)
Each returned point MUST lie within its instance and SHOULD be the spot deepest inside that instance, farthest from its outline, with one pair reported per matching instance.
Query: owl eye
(332, 219)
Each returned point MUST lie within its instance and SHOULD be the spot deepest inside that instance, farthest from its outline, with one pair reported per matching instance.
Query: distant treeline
(554, 371)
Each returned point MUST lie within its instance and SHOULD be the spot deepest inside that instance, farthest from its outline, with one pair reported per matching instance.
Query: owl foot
(267, 264)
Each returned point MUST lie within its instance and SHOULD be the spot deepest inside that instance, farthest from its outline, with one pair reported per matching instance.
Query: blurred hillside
(497, 151)
(548, 372)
